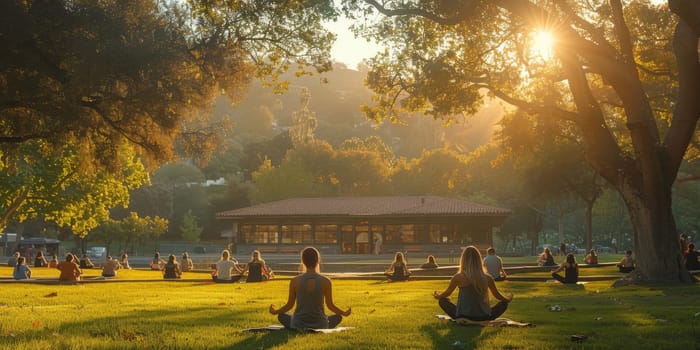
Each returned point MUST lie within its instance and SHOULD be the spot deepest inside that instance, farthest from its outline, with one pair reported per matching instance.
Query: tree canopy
(98, 75)
(608, 80)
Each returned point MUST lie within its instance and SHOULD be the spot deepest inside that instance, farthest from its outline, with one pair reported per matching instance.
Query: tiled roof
(367, 206)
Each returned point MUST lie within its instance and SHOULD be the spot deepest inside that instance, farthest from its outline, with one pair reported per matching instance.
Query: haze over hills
(336, 97)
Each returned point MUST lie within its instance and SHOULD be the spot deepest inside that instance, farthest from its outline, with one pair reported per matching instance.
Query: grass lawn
(204, 315)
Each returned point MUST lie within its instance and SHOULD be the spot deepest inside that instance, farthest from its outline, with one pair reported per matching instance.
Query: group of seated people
(228, 270)
(70, 269)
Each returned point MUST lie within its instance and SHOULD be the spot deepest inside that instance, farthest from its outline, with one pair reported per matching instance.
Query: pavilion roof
(366, 207)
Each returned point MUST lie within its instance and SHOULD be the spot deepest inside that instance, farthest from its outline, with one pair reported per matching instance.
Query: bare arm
(561, 267)
(454, 282)
(291, 298)
(492, 287)
(328, 295)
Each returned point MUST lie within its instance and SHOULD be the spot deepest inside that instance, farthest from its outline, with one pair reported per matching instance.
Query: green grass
(204, 315)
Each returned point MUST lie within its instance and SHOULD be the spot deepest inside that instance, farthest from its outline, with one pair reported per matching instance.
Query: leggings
(451, 310)
(558, 277)
(286, 320)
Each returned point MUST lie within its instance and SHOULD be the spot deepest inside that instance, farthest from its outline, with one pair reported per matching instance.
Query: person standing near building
(494, 265)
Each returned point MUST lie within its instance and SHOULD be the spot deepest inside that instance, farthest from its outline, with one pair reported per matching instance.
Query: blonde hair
(225, 253)
(473, 268)
(256, 256)
(399, 257)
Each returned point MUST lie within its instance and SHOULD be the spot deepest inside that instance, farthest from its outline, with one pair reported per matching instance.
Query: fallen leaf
(52, 294)
(128, 335)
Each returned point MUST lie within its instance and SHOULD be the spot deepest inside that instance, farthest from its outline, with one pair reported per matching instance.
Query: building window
(435, 233)
(441, 233)
(392, 234)
(258, 233)
(326, 234)
(408, 233)
(296, 234)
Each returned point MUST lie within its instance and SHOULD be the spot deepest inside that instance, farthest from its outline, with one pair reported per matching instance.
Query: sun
(542, 44)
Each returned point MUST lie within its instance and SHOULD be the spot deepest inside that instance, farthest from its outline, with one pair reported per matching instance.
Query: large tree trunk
(656, 246)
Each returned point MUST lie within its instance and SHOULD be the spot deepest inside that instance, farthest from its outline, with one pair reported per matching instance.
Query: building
(354, 225)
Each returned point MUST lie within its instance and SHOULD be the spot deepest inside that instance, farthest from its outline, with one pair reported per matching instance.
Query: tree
(92, 73)
(609, 76)
(129, 230)
(52, 184)
(304, 121)
(99, 75)
(552, 166)
(439, 172)
(191, 231)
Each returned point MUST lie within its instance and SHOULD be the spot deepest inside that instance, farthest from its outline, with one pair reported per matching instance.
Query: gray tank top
(310, 312)
(472, 305)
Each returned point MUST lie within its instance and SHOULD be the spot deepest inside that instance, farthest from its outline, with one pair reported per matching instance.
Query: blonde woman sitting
(474, 285)
(398, 271)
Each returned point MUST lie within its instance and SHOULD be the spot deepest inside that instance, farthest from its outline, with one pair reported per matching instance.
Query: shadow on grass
(137, 327)
(448, 335)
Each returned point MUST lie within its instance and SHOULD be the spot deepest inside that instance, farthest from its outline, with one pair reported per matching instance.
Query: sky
(351, 51)
(348, 49)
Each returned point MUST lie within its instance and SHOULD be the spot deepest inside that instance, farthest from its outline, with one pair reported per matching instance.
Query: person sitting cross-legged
(21, 270)
(257, 269)
(398, 271)
(591, 258)
(186, 264)
(570, 268)
(430, 263)
(309, 291)
(692, 256)
(474, 285)
(70, 270)
(494, 265)
(227, 269)
(626, 265)
(171, 269)
(86, 263)
(110, 267)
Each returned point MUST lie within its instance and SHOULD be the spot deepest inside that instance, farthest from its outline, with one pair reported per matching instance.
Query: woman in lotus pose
(227, 269)
(546, 258)
(186, 264)
(474, 285)
(570, 268)
(21, 271)
(309, 291)
(398, 271)
(257, 269)
(171, 270)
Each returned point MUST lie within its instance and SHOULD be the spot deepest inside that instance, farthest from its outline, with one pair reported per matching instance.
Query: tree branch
(533, 108)
(422, 13)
